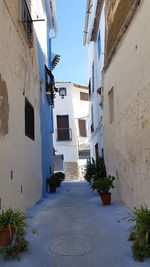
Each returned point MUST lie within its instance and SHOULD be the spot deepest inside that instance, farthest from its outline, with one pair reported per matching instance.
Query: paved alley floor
(75, 230)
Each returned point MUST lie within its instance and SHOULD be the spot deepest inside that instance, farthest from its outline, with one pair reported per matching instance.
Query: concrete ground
(75, 230)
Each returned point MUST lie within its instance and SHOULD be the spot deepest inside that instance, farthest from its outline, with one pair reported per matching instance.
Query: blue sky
(69, 42)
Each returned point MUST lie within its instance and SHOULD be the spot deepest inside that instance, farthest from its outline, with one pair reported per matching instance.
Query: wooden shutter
(63, 128)
(84, 96)
(82, 127)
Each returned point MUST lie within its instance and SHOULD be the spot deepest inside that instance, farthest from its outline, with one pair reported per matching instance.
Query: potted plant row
(55, 181)
(98, 179)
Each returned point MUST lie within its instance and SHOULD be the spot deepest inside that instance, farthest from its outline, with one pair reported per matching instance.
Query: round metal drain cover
(70, 246)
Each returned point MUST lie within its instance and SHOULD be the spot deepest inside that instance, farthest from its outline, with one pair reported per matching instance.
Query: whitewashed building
(94, 32)
(71, 127)
(20, 130)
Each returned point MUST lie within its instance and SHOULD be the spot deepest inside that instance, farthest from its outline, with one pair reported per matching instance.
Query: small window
(84, 96)
(93, 77)
(89, 87)
(29, 119)
(82, 127)
(96, 152)
(111, 104)
(99, 44)
(27, 20)
(92, 120)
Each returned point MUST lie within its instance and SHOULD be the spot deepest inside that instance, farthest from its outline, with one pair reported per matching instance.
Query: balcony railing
(64, 134)
(27, 20)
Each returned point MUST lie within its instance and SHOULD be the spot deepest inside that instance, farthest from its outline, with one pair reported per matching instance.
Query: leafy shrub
(140, 233)
(103, 185)
(15, 219)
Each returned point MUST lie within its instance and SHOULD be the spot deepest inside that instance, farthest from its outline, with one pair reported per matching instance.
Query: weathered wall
(126, 139)
(20, 157)
(118, 16)
(71, 170)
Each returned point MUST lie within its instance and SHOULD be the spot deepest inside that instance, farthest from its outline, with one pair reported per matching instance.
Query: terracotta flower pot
(6, 236)
(53, 188)
(106, 198)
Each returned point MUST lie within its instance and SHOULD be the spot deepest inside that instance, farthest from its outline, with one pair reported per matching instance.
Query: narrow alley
(74, 229)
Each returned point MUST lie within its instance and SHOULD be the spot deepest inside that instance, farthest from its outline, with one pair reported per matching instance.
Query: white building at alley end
(71, 113)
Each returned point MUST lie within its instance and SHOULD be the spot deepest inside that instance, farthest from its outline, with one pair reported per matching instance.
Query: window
(99, 44)
(111, 104)
(27, 19)
(89, 87)
(82, 127)
(29, 119)
(96, 152)
(63, 130)
(92, 120)
(93, 77)
(84, 96)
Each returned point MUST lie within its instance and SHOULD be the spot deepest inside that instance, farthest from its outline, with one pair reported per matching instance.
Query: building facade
(71, 127)
(45, 31)
(94, 38)
(20, 109)
(126, 115)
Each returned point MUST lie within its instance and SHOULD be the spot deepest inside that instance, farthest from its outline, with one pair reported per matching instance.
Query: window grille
(27, 20)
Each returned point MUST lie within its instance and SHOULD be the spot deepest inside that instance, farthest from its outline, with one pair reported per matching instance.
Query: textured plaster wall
(116, 12)
(71, 170)
(20, 157)
(126, 139)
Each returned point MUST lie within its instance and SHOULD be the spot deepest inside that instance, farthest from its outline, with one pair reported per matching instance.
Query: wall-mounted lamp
(62, 92)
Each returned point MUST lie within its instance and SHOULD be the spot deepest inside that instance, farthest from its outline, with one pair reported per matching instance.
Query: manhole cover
(70, 246)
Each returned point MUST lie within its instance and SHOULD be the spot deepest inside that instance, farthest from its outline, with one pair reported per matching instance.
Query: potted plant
(140, 233)
(53, 182)
(13, 229)
(10, 222)
(95, 170)
(60, 176)
(89, 171)
(103, 185)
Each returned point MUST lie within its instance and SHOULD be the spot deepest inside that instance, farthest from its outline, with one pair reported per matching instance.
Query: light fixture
(62, 92)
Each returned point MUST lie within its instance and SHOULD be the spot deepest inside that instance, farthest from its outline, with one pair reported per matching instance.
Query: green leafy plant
(89, 171)
(103, 184)
(60, 176)
(53, 180)
(14, 219)
(140, 233)
(56, 179)
(95, 170)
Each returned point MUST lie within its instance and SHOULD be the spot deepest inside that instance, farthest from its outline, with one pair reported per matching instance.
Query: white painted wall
(95, 99)
(71, 105)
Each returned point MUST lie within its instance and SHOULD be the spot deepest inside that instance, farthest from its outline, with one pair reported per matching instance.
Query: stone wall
(71, 170)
